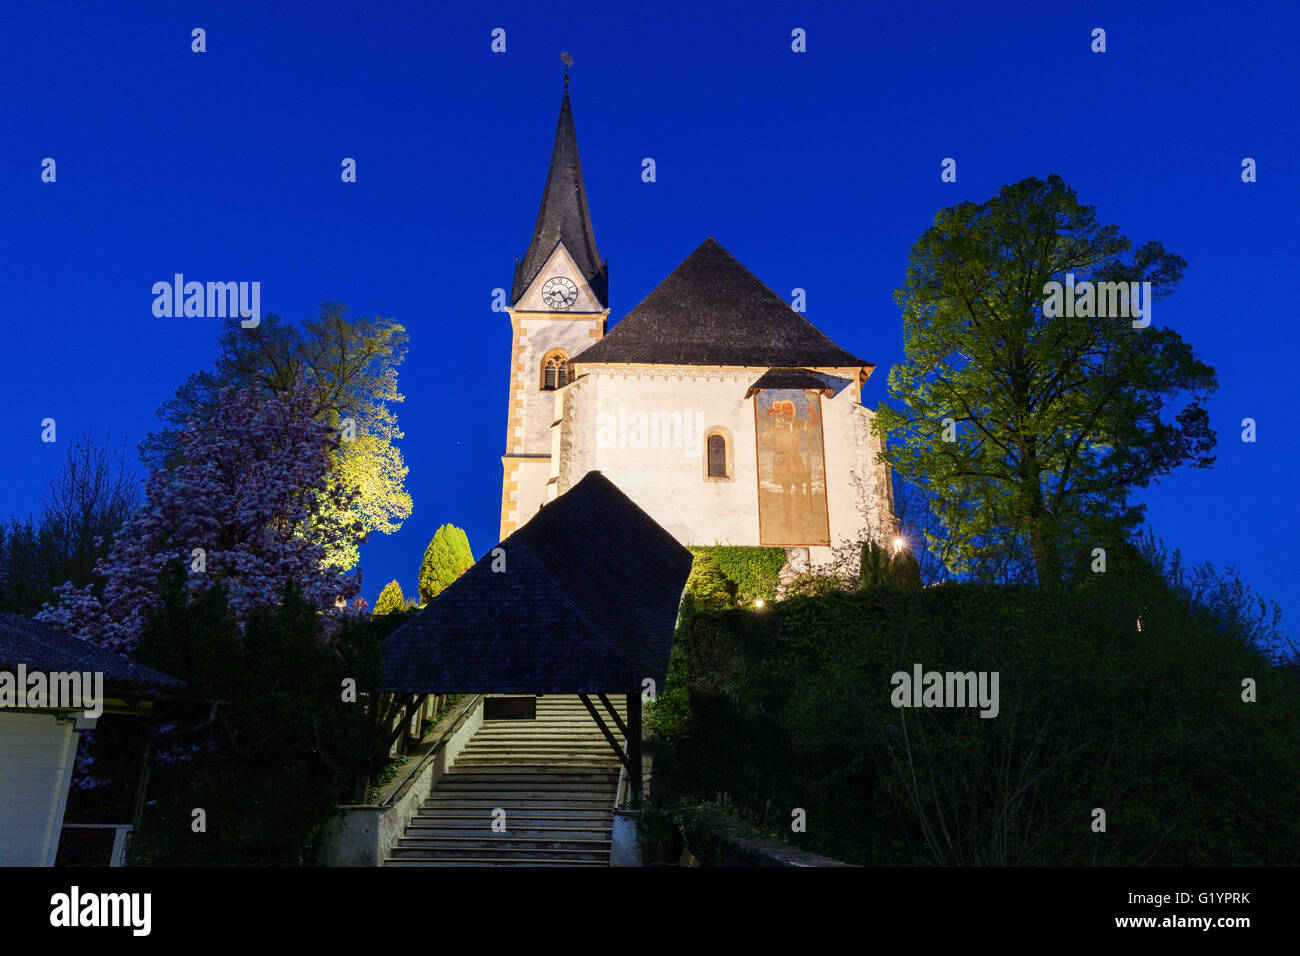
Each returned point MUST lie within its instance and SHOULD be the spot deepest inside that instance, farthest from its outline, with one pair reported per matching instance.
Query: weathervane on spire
(568, 62)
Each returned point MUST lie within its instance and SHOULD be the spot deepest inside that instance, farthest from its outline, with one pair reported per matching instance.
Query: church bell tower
(559, 304)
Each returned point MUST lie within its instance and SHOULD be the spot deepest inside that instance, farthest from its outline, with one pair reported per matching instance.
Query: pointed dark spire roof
(711, 310)
(563, 216)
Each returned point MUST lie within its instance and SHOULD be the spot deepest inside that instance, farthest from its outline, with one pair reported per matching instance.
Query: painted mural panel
(791, 469)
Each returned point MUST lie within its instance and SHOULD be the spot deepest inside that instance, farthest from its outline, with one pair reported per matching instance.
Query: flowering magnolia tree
(252, 505)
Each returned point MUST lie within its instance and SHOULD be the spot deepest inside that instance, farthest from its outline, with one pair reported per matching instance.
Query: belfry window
(556, 371)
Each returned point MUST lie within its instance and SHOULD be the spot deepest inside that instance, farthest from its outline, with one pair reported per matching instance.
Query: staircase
(555, 777)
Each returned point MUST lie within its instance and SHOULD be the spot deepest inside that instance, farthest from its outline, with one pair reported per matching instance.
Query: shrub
(881, 569)
(790, 707)
(707, 588)
(754, 572)
(284, 748)
(813, 583)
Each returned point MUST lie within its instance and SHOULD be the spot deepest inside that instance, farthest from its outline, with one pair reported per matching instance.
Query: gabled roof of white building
(711, 310)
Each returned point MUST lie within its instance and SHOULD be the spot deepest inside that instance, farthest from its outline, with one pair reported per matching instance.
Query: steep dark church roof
(44, 648)
(711, 310)
(563, 217)
(587, 603)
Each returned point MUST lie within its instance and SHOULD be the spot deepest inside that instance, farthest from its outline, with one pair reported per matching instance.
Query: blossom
(252, 506)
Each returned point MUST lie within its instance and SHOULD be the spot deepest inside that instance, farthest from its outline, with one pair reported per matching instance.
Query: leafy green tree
(1029, 428)
(390, 599)
(445, 559)
(356, 362)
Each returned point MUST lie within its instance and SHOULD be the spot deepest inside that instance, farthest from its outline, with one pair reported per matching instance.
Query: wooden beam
(595, 715)
(622, 727)
(402, 717)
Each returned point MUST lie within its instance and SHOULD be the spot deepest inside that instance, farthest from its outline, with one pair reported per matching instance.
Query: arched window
(717, 455)
(556, 370)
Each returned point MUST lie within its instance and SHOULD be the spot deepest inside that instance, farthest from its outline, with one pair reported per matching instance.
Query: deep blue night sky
(816, 170)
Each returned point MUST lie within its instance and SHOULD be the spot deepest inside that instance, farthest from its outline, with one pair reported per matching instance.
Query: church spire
(563, 216)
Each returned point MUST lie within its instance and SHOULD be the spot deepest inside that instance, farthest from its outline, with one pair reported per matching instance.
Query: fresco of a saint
(791, 469)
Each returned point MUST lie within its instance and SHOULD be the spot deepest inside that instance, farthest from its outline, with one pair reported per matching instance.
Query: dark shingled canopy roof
(711, 310)
(792, 378)
(44, 648)
(587, 603)
(563, 217)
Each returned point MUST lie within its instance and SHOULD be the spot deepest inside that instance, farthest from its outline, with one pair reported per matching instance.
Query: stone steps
(481, 833)
(477, 861)
(474, 804)
(554, 776)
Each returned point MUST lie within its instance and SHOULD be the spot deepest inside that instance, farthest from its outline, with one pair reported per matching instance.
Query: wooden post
(634, 747)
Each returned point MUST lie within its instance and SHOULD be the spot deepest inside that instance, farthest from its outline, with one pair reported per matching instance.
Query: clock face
(559, 292)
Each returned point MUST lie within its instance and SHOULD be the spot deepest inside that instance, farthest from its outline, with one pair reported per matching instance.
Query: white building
(39, 737)
(715, 406)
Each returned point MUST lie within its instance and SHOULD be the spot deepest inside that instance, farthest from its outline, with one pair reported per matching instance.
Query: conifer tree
(390, 599)
(445, 559)
(708, 588)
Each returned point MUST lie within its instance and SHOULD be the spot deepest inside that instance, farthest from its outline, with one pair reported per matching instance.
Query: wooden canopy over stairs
(577, 607)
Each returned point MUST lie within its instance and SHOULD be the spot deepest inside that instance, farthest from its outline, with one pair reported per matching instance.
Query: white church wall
(855, 488)
(644, 430)
(531, 478)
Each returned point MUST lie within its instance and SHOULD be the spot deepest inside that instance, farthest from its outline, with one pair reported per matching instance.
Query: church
(714, 405)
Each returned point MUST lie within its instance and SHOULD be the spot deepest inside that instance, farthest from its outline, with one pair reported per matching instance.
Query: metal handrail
(432, 752)
(621, 787)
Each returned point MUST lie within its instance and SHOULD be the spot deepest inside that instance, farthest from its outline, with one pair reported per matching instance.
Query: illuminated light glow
(759, 603)
(899, 544)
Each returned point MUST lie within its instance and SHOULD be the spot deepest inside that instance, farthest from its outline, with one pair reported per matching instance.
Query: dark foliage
(284, 748)
(1123, 693)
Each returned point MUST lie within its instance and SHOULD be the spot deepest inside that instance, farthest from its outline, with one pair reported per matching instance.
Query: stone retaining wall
(364, 835)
